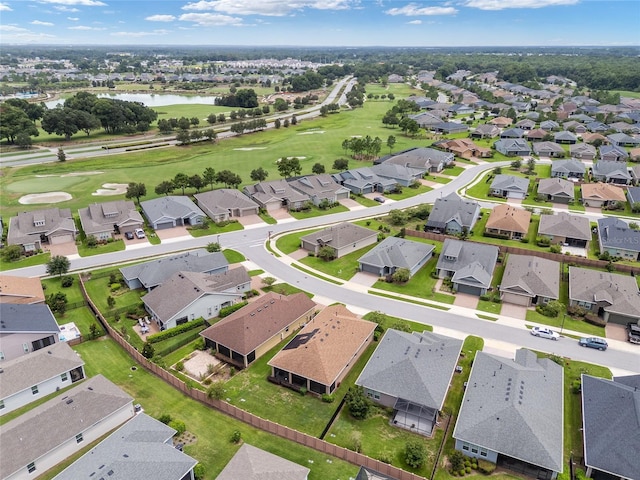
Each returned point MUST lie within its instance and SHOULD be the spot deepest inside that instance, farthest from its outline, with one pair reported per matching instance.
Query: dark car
(128, 235)
(633, 332)
(379, 199)
(594, 342)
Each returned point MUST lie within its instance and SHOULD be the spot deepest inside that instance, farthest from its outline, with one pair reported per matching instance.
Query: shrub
(67, 281)
(165, 418)
(147, 350)
(199, 471)
(356, 442)
(158, 360)
(327, 398)
(357, 402)
(178, 425)
(236, 436)
(555, 249)
(232, 371)
(226, 311)
(386, 457)
(486, 466)
(457, 460)
(415, 453)
(114, 287)
(216, 390)
(576, 311)
(543, 242)
(179, 366)
(172, 332)
(576, 386)
(302, 391)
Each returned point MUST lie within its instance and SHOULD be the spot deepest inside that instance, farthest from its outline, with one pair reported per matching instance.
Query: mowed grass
(39, 259)
(344, 267)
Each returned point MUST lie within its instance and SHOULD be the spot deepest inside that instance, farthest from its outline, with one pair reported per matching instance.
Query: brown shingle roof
(248, 328)
(602, 191)
(511, 219)
(325, 346)
(20, 290)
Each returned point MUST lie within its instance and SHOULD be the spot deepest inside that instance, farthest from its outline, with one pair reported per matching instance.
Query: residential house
(105, 220)
(321, 355)
(141, 448)
(252, 331)
(526, 124)
(24, 290)
(611, 172)
(49, 433)
(565, 137)
(502, 122)
(411, 373)
(368, 474)
(426, 120)
(611, 442)
(624, 127)
(392, 174)
(224, 203)
(549, 125)
(172, 211)
(570, 168)
(364, 180)
(601, 194)
(461, 109)
(634, 154)
(623, 140)
(28, 378)
(612, 296)
(633, 195)
(583, 151)
(513, 147)
(394, 253)
(556, 190)
(509, 186)
(597, 127)
(565, 229)
(343, 238)
(26, 328)
(530, 280)
(507, 221)
(320, 188)
(154, 272)
(276, 194)
(512, 133)
(469, 265)
(582, 118)
(617, 239)
(613, 153)
(548, 149)
(591, 138)
(513, 411)
(452, 214)
(424, 159)
(465, 148)
(51, 226)
(485, 131)
(448, 128)
(185, 296)
(252, 463)
(536, 135)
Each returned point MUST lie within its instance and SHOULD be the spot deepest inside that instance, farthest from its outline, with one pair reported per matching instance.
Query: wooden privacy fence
(249, 418)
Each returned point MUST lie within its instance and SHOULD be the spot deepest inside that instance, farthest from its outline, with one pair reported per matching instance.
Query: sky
(417, 23)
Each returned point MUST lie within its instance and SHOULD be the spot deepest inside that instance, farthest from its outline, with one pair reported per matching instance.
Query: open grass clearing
(115, 246)
(317, 212)
(316, 274)
(489, 307)
(213, 229)
(389, 321)
(565, 321)
(344, 267)
(39, 259)
(285, 289)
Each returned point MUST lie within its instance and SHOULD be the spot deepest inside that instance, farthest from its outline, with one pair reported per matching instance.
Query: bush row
(172, 332)
(226, 311)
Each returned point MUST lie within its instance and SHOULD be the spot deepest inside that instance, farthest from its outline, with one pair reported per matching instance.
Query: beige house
(508, 222)
(20, 290)
(343, 238)
(530, 280)
(601, 194)
(564, 228)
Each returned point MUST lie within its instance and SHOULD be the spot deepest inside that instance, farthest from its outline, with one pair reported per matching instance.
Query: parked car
(128, 235)
(544, 332)
(140, 233)
(379, 199)
(594, 342)
(634, 338)
(633, 332)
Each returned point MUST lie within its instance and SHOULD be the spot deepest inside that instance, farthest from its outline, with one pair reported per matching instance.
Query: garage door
(516, 299)
(618, 319)
(370, 268)
(164, 225)
(469, 289)
(60, 239)
(515, 195)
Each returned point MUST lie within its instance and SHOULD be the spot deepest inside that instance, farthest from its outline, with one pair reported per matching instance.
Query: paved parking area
(615, 332)
(561, 206)
(513, 311)
(174, 232)
(365, 279)
(351, 204)
(298, 254)
(577, 251)
(64, 249)
(250, 221)
(466, 300)
(281, 214)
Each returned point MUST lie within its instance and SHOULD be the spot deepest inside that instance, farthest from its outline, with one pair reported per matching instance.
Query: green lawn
(213, 229)
(53, 285)
(290, 243)
(266, 218)
(489, 307)
(233, 256)
(408, 192)
(115, 246)
(389, 321)
(344, 267)
(39, 259)
(317, 212)
(569, 323)
(364, 201)
(479, 228)
(285, 289)
(98, 290)
(442, 180)
(453, 171)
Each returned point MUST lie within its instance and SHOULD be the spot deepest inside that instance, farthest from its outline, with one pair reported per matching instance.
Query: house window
(483, 453)
(465, 446)
(474, 450)
(79, 438)
(376, 396)
(31, 467)
(34, 390)
(64, 377)
(25, 347)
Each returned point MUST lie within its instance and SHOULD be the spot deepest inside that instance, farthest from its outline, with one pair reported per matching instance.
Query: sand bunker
(47, 197)
(111, 189)
(248, 149)
(311, 133)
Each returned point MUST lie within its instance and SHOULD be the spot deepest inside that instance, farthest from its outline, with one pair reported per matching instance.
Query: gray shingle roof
(320, 186)
(615, 233)
(27, 318)
(620, 292)
(568, 166)
(565, 225)
(340, 235)
(397, 252)
(582, 149)
(613, 149)
(565, 136)
(611, 415)
(547, 148)
(452, 207)
(252, 463)
(515, 407)
(225, 199)
(531, 276)
(413, 366)
(609, 169)
(25, 371)
(141, 448)
(510, 182)
(368, 474)
(173, 206)
(556, 187)
(275, 190)
(421, 158)
(468, 260)
(633, 194)
(27, 225)
(99, 217)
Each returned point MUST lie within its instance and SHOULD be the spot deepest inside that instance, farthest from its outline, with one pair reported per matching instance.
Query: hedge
(226, 311)
(172, 332)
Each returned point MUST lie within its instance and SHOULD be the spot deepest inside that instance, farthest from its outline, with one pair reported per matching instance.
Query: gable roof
(224, 199)
(602, 191)
(100, 216)
(615, 233)
(564, 224)
(565, 136)
(28, 225)
(556, 187)
(568, 166)
(509, 218)
(360, 178)
(413, 366)
(536, 133)
(420, 157)
(172, 206)
(512, 133)
(246, 329)
(397, 252)
(368, 474)
(582, 149)
(510, 183)
(469, 260)
(275, 191)
(634, 194)
(14, 289)
(252, 463)
(487, 129)
(321, 186)
(610, 169)
(452, 208)
(547, 147)
(618, 152)
(141, 448)
(532, 276)
(622, 138)
(619, 292)
(340, 235)
(515, 407)
(325, 346)
(611, 442)
(18, 318)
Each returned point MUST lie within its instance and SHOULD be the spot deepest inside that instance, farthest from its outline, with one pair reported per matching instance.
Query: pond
(152, 99)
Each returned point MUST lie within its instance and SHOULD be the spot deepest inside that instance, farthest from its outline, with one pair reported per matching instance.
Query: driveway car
(379, 199)
(633, 332)
(594, 342)
(128, 235)
(543, 332)
(140, 233)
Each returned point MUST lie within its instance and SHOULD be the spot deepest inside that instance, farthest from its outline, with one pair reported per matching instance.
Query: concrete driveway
(281, 215)
(561, 206)
(466, 300)
(64, 249)
(351, 204)
(365, 279)
(616, 332)
(250, 221)
(513, 311)
(170, 233)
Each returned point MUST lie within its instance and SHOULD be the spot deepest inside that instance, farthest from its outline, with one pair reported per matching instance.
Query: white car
(543, 332)
(139, 233)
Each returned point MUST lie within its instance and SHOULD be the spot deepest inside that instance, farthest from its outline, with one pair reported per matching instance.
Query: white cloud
(211, 19)
(12, 28)
(11, 33)
(161, 18)
(140, 34)
(415, 22)
(84, 27)
(66, 9)
(503, 4)
(73, 19)
(44, 24)
(5, 8)
(83, 3)
(272, 8)
(414, 10)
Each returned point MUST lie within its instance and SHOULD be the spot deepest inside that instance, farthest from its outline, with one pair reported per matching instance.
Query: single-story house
(565, 137)
(452, 214)
(398, 174)
(613, 153)
(601, 194)
(24, 290)
(583, 151)
(582, 118)
(512, 413)
(394, 253)
(591, 138)
(365, 180)
(565, 229)
(570, 168)
(502, 122)
(426, 119)
(343, 238)
(141, 448)
(633, 195)
(624, 127)
(411, 373)
(509, 186)
(616, 238)
(513, 147)
(556, 190)
(623, 140)
(152, 273)
(320, 187)
(31, 230)
(461, 109)
(421, 158)
(611, 172)
(31, 377)
(448, 128)
(49, 433)
(320, 356)
(507, 221)
(611, 442)
(612, 296)
(597, 127)
(368, 474)
(530, 280)
(252, 463)
(548, 149)
(276, 194)
(485, 131)
(172, 211)
(526, 124)
(250, 332)
(512, 133)
(549, 125)
(536, 135)
(185, 296)
(469, 265)
(634, 154)
(104, 220)
(465, 148)
(225, 203)
(26, 328)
